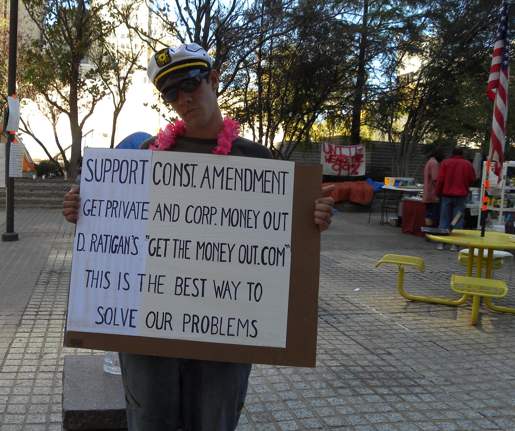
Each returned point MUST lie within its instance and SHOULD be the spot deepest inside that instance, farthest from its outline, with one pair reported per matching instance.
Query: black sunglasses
(188, 85)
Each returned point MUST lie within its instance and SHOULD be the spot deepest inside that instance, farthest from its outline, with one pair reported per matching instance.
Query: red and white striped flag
(497, 90)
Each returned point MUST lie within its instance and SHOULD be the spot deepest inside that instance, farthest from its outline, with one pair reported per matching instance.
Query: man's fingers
(70, 215)
(322, 220)
(324, 207)
(322, 216)
(71, 204)
(325, 201)
(323, 210)
(327, 189)
(323, 213)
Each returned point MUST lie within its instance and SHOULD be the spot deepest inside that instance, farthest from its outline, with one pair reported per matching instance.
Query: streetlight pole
(9, 234)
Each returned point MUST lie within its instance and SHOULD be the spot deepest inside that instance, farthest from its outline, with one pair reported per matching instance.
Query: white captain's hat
(177, 61)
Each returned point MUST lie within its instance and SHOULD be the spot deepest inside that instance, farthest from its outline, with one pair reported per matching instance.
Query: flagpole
(497, 92)
(485, 197)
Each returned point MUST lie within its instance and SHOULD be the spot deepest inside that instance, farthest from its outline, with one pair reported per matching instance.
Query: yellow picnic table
(472, 239)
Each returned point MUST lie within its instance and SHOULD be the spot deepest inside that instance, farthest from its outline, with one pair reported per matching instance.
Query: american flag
(497, 89)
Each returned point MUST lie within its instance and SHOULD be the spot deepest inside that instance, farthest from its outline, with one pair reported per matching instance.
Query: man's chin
(195, 120)
(191, 124)
(194, 126)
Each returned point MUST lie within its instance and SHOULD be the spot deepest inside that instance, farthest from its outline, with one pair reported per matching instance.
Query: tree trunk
(259, 84)
(74, 167)
(76, 132)
(59, 146)
(360, 79)
(116, 113)
(75, 128)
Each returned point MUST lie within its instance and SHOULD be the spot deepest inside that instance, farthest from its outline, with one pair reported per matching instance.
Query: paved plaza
(383, 364)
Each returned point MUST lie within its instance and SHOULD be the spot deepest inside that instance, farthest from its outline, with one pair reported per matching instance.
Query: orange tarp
(357, 192)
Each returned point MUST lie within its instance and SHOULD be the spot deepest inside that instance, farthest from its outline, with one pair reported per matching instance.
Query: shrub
(48, 168)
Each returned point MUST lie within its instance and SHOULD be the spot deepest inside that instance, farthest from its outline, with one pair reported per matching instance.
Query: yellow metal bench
(402, 261)
(477, 288)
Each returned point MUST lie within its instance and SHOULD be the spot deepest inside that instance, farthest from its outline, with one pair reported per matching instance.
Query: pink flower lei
(166, 139)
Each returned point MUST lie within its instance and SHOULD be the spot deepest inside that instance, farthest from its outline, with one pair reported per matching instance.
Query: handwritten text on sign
(183, 246)
(343, 160)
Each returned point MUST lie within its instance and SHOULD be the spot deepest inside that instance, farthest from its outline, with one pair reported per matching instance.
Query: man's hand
(324, 208)
(71, 204)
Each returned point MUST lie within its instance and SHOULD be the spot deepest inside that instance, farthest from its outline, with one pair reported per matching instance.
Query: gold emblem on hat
(163, 57)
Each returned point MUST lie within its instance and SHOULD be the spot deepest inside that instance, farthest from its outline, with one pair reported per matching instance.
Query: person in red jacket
(454, 179)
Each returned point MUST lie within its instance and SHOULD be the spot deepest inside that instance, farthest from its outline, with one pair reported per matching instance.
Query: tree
(233, 32)
(23, 40)
(360, 76)
(4, 47)
(222, 28)
(435, 103)
(288, 83)
(382, 30)
(56, 63)
(116, 62)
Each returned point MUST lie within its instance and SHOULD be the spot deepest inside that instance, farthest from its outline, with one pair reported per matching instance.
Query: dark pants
(449, 207)
(167, 394)
(433, 212)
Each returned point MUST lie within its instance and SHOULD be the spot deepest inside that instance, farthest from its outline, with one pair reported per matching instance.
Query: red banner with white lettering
(343, 160)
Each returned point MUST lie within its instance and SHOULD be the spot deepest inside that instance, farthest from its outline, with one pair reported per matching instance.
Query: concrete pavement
(383, 364)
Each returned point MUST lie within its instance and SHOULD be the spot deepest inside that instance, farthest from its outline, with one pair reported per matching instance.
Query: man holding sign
(172, 393)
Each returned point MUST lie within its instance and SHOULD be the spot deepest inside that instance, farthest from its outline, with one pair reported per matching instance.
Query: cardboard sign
(343, 160)
(16, 155)
(192, 255)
